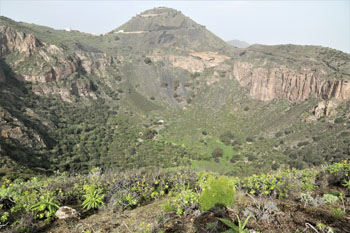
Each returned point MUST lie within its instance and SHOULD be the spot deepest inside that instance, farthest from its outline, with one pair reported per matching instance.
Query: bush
(344, 134)
(227, 138)
(93, 197)
(251, 157)
(217, 192)
(300, 144)
(149, 134)
(275, 166)
(339, 120)
(217, 152)
(288, 131)
(196, 75)
(249, 139)
(278, 134)
(147, 60)
(183, 202)
(296, 164)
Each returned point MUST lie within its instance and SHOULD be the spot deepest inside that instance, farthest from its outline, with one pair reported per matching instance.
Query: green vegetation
(93, 197)
(190, 140)
(39, 197)
(241, 225)
(218, 191)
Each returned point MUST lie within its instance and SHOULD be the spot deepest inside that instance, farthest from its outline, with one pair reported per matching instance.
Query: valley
(162, 93)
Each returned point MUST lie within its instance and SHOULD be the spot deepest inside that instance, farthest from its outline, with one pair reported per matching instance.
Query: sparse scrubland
(312, 200)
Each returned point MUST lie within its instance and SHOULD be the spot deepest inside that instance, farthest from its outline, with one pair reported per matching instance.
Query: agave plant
(236, 229)
(93, 197)
(46, 207)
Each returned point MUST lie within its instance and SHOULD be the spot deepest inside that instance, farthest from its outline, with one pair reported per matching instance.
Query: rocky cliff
(270, 83)
(12, 40)
(41, 63)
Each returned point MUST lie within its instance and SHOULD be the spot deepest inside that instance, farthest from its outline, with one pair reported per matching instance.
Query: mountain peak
(158, 19)
(167, 27)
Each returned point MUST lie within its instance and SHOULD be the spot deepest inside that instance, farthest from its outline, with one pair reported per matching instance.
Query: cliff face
(267, 84)
(11, 40)
(41, 63)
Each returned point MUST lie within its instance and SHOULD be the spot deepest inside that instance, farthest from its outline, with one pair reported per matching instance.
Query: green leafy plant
(330, 199)
(236, 229)
(93, 197)
(337, 213)
(183, 201)
(324, 228)
(46, 207)
(127, 201)
(346, 185)
(217, 192)
(306, 198)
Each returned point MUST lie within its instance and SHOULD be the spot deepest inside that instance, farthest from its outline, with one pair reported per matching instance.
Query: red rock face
(268, 84)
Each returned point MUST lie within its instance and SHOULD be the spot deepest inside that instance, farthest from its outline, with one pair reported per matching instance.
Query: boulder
(66, 212)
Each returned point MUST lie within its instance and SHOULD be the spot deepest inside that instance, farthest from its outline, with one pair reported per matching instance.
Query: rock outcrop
(44, 63)
(66, 212)
(271, 83)
(11, 40)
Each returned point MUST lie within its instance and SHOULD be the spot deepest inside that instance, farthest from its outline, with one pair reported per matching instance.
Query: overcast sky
(325, 23)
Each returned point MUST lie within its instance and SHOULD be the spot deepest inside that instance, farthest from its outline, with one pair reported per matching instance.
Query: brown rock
(326, 108)
(4, 133)
(11, 40)
(271, 83)
(66, 212)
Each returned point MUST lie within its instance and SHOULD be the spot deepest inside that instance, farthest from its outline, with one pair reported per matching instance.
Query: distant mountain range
(239, 43)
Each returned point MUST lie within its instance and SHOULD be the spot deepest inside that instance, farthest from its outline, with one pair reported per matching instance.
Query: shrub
(278, 134)
(147, 60)
(344, 134)
(249, 139)
(288, 131)
(339, 120)
(183, 201)
(329, 198)
(93, 197)
(149, 134)
(196, 75)
(227, 138)
(217, 192)
(246, 109)
(46, 207)
(300, 144)
(251, 157)
(217, 152)
(296, 164)
(337, 213)
(275, 166)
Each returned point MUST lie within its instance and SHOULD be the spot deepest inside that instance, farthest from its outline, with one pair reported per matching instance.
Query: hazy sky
(325, 23)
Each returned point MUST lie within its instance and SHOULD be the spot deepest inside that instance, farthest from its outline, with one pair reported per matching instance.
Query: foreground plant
(93, 197)
(46, 207)
(183, 201)
(217, 192)
(236, 229)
